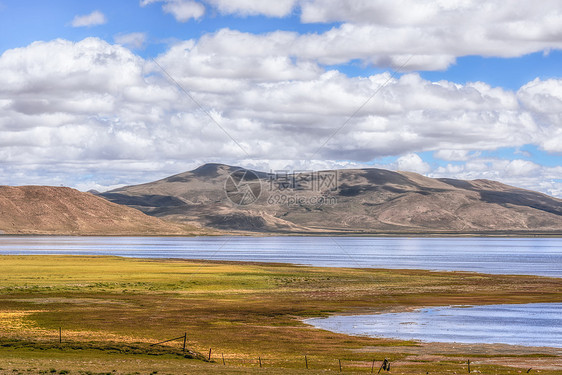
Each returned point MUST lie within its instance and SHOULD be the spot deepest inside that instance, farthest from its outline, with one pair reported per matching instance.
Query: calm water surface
(536, 324)
(532, 256)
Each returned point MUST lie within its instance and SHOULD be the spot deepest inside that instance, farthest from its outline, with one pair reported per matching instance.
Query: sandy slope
(65, 211)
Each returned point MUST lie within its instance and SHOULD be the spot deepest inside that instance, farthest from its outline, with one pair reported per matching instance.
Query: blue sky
(29, 21)
(479, 97)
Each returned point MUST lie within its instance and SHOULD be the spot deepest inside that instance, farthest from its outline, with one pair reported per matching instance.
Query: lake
(527, 256)
(533, 324)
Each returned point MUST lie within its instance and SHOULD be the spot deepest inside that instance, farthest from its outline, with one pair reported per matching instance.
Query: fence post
(373, 366)
(210, 350)
(224, 364)
(469, 366)
(339, 361)
(259, 359)
(60, 335)
(306, 362)
(184, 341)
(385, 366)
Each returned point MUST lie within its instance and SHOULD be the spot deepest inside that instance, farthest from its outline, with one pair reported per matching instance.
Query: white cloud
(520, 173)
(543, 99)
(407, 34)
(542, 96)
(425, 47)
(451, 155)
(93, 19)
(412, 163)
(230, 55)
(182, 10)
(520, 167)
(132, 40)
(71, 109)
(277, 8)
(60, 67)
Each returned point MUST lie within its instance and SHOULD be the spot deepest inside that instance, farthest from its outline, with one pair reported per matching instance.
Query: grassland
(112, 309)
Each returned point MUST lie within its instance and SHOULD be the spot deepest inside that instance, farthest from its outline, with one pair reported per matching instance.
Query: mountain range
(351, 201)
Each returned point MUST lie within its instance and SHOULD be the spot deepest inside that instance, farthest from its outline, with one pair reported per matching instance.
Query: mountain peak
(212, 170)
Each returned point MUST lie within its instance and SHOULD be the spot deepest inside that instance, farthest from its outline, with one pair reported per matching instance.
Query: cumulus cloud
(544, 100)
(412, 163)
(70, 109)
(388, 36)
(182, 10)
(278, 8)
(456, 155)
(93, 19)
(518, 167)
(132, 40)
(521, 173)
(405, 34)
(236, 56)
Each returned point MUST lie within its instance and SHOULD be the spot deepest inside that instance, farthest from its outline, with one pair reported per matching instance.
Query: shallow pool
(536, 324)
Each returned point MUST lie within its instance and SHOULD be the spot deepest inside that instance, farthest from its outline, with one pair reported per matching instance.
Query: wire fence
(179, 346)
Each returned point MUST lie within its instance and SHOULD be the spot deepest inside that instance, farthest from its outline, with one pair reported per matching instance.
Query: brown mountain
(65, 211)
(343, 201)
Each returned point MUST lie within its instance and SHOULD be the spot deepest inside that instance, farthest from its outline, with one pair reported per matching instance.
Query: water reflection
(532, 256)
(537, 324)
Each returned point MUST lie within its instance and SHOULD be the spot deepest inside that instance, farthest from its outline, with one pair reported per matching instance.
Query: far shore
(216, 232)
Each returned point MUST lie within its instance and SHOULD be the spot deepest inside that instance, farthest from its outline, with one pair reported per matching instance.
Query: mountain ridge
(365, 201)
(48, 210)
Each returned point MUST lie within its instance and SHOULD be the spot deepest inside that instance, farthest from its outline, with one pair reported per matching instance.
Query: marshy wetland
(99, 314)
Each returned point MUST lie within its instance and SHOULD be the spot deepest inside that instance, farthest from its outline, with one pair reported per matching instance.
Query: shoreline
(257, 234)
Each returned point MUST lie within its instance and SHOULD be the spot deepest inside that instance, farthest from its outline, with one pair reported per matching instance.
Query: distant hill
(65, 211)
(361, 201)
